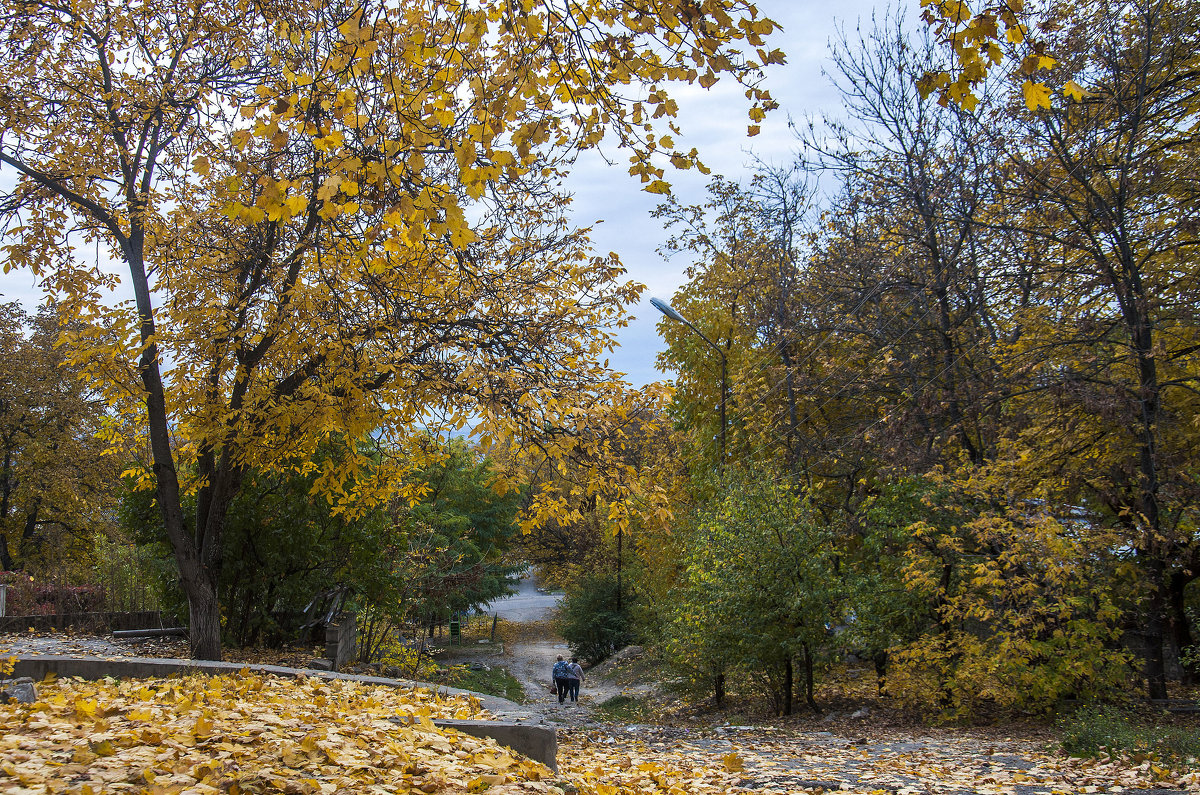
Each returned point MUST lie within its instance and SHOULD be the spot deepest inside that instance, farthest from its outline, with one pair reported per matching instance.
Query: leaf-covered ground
(252, 733)
(249, 733)
(646, 759)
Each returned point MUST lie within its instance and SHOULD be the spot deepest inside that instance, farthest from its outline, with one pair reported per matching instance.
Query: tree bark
(6, 560)
(809, 695)
(880, 659)
(204, 613)
(788, 685)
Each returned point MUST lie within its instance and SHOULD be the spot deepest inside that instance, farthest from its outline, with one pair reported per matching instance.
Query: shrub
(28, 597)
(590, 620)
(1096, 731)
(626, 709)
(399, 659)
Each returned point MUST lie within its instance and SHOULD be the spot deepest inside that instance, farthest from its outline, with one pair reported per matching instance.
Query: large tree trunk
(1154, 635)
(204, 613)
(1141, 334)
(199, 583)
(6, 561)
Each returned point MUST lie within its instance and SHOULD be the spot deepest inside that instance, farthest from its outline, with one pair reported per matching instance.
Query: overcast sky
(715, 123)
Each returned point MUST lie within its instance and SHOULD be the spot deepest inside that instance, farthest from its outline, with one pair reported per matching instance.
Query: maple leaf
(1037, 95)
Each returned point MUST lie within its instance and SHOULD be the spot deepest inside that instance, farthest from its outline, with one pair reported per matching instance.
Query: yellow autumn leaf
(1037, 95)
(1075, 91)
(101, 748)
(203, 726)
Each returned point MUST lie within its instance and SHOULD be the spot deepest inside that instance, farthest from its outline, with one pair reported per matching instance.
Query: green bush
(1097, 731)
(494, 681)
(591, 622)
(626, 709)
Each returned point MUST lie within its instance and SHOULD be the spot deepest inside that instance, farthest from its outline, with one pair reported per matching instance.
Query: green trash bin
(455, 629)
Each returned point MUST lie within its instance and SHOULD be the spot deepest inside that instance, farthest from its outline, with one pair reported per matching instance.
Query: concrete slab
(539, 743)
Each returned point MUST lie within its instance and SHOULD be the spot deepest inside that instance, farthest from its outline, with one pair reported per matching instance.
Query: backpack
(560, 669)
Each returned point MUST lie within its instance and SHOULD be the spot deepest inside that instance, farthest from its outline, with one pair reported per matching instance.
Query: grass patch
(625, 709)
(494, 682)
(1098, 731)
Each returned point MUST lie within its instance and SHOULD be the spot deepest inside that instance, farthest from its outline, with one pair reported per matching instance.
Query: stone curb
(536, 742)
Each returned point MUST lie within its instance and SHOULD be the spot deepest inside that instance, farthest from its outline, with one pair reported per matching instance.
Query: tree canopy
(338, 220)
(965, 333)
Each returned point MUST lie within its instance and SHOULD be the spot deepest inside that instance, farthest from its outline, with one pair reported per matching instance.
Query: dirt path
(530, 650)
(530, 659)
(765, 760)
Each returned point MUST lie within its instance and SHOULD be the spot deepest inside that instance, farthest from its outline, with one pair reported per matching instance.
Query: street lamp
(666, 309)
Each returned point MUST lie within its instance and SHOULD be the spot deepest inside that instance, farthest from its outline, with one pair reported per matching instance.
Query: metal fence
(125, 571)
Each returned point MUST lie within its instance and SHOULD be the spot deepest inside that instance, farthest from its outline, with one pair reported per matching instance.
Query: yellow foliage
(411, 663)
(351, 232)
(1037, 95)
(248, 733)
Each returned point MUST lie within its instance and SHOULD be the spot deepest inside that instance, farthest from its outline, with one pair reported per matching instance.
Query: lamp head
(665, 308)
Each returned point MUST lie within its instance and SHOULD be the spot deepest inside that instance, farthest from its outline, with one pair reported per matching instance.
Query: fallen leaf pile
(250, 733)
(769, 762)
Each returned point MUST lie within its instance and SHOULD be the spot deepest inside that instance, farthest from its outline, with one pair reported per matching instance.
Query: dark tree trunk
(29, 541)
(192, 553)
(788, 685)
(881, 661)
(809, 695)
(204, 613)
(6, 561)
(719, 688)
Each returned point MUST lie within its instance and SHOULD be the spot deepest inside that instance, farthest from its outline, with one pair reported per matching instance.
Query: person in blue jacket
(561, 673)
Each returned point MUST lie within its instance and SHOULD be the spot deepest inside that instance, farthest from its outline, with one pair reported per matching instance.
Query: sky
(714, 122)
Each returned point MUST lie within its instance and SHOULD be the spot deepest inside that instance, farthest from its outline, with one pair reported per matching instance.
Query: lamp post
(666, 309)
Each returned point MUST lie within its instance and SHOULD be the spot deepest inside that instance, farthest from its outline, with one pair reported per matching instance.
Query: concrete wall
(340, 638)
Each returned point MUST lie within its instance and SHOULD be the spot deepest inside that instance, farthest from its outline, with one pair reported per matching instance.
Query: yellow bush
(412, 663)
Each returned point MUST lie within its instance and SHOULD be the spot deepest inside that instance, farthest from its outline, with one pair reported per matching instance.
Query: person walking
(561, 672)
(574, 679)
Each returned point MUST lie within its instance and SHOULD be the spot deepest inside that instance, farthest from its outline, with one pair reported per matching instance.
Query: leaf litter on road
(774, 761)
(250, 733)
(260, 733)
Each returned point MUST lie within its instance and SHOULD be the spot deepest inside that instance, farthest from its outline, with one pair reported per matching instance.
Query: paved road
(527, 605)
